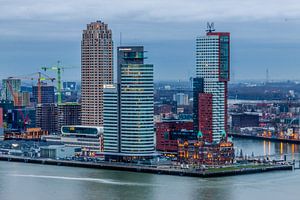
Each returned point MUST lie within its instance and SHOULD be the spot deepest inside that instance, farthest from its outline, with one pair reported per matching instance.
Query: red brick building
(167, 134)
(205, 116)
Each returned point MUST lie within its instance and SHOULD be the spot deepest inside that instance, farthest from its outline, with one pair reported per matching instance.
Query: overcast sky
(264, 34)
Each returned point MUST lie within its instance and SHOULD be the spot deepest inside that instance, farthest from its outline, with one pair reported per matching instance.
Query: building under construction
(69, 114)
(46, 117)
(47, 94)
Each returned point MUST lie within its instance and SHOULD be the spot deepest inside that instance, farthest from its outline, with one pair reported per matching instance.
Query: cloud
(35, 32)
(148, 10)
(57, 18)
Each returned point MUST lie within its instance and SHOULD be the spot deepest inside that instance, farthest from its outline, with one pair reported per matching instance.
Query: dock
(166, 170)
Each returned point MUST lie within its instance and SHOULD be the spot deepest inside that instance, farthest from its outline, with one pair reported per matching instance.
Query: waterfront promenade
(157, 169)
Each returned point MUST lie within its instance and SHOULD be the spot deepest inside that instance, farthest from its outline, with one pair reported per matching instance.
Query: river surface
(42, 182)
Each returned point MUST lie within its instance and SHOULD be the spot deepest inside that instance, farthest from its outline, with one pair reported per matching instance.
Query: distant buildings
(96, 70)
(1, 122)
(10, 89)
(241, 120)
(133, 98)
(181, 99)
(69, 86)
(7, 107)
(213, 65)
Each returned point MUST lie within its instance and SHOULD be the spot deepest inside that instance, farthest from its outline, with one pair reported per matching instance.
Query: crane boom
(58, 68)
(39, 79)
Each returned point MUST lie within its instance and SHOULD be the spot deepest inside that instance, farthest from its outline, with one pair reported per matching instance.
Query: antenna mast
(210, 27)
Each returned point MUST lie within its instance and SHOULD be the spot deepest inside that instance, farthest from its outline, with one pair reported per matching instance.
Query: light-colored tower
(213, 65)
(96, 70)
(111, 119)
(135, 80)
(133, 98)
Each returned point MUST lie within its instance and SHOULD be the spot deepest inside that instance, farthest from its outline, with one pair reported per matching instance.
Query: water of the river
(20, 181)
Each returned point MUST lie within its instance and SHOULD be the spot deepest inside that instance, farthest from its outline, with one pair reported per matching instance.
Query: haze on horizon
(264, 34)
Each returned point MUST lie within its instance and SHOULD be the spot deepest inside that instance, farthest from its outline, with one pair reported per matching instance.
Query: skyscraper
(135, 80)
(96, 70)
(213, 65)
(133, 98)
(111, 119)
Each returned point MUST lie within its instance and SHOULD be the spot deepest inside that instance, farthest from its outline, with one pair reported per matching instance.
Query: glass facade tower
(134, 103)
(213, 65)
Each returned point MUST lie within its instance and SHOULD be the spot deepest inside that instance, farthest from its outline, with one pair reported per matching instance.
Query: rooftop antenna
(210, 27)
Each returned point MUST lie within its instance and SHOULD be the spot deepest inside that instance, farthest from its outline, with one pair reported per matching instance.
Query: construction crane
(36, 76)
(58, 68)
(39, 78)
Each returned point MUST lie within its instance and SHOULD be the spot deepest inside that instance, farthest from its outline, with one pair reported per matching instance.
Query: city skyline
(257, 39)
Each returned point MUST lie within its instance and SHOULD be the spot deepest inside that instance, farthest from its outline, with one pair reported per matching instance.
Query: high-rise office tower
(133, 98)
(96, 70)
(111, 119)
(213, 65)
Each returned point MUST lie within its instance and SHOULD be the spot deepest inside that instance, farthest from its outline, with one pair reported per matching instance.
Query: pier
(157, 169)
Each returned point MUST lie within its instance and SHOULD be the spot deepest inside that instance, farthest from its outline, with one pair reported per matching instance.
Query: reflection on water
(267, 148)
(42, 182)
